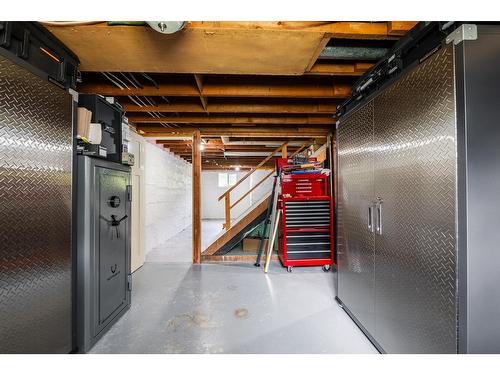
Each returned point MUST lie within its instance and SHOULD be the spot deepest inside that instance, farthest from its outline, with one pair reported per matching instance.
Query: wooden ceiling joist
(233, 119)
(248, 90)
(288, 108)
(327, 68)
(233, 131)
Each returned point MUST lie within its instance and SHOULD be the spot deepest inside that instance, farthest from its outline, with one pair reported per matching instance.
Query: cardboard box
(251, 245)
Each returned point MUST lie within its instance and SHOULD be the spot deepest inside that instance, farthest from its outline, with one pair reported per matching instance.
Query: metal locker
(103, 259)
(415, 189)
(35, 218)
(355, 233)
(434, 197)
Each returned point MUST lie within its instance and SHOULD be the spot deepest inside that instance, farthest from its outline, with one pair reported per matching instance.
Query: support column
(196, 160)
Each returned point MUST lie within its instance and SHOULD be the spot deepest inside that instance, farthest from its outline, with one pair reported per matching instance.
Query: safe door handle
(379, 218)
(370, 219)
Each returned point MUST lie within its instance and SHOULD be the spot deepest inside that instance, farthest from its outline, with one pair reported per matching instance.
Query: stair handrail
(227, 193)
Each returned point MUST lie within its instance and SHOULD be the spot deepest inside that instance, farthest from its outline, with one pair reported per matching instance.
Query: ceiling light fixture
(237, 168)
(167, 27)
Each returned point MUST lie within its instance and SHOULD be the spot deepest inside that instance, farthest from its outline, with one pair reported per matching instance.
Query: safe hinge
(129, 193)
(467, 31)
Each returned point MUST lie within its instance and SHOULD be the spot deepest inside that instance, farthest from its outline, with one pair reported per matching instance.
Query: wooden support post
(284, 151)
(227, 202)
(196, 197)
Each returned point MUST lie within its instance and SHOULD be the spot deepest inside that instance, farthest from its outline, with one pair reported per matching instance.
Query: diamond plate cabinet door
(355, 239)
(35, 219)
(415, 176)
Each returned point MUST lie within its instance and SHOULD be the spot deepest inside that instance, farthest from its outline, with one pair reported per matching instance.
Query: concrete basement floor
(233, 308)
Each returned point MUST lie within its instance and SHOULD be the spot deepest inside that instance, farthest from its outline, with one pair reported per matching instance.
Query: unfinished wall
(213, 209)
(168, 196)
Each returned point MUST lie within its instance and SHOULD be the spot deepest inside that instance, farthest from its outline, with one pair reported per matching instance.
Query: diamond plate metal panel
(415, 175)
(355, 249)
(35, 222)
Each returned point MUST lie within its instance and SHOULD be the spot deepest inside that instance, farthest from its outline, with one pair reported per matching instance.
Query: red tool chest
(305, 234)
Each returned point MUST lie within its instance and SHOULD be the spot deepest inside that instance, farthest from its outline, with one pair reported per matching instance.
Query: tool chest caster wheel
(289, 269)
(326, 268)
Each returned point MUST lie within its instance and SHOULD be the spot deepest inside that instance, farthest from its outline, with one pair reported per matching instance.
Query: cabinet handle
(379, 217)
(370, 218)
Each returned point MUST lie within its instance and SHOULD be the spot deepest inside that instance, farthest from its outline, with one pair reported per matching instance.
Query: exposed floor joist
(256, 80)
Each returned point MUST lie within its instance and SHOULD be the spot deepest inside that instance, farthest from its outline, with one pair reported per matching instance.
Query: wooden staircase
(234, 231)
(252, 217)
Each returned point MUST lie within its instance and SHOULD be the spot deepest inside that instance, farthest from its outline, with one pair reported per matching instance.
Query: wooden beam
(284, 150)
(249, 89)
(399, 28)
(199, 83)
(196, 214)
(230, 131)
(339, 69)
(217, 119)
(326, 107)
(332, 29)
(317, 52)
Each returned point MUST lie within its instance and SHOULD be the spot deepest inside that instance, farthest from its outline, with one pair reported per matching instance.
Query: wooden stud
(196, 214)
(227, 203)
(284, 151)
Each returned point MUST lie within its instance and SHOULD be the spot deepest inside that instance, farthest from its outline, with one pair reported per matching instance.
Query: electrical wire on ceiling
(148, 77)
(112, 80)
(115, 77)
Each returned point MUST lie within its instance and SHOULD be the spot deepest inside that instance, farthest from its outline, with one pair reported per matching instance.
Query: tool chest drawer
(306, 231)
(300, 214)
(308, 245)
(304, 185)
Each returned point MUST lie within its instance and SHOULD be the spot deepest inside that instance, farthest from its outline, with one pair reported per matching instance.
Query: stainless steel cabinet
(356, 251)
(416, 237)
(35, 213)
(415, 184)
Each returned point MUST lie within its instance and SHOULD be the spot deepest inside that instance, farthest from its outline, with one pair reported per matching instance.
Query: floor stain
(190, 320)
(241, 313)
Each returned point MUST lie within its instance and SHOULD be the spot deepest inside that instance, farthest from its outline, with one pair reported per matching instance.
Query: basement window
(227, 179)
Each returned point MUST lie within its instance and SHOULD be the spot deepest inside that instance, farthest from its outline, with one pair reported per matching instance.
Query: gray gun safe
(103, 254)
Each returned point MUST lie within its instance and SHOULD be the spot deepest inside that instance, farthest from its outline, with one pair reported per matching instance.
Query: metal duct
(353, 53)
